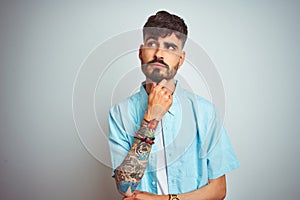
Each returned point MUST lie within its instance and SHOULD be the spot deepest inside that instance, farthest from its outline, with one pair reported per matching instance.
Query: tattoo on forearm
(142, 150)
(130, 172)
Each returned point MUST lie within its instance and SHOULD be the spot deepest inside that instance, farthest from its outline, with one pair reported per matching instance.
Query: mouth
(158, 65)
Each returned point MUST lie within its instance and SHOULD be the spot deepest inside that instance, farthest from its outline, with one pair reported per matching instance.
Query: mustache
(155, 60)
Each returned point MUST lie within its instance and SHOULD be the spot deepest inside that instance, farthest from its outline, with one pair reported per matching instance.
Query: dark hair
(163, 24)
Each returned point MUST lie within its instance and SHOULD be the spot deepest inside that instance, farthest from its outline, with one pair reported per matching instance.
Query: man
(167, 143)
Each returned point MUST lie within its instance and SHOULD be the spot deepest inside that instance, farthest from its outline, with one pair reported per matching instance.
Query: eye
(171, 47)
(151, 44)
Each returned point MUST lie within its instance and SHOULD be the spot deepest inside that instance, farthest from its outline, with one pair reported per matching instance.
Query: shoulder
(126, 114)
(126, 103)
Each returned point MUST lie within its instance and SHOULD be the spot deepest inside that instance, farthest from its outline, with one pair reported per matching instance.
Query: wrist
(146, 133)
(150, 124)
(164, 197)
(153, 114)
(149, 117)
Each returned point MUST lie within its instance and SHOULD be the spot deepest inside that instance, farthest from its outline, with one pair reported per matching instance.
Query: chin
(156, 80)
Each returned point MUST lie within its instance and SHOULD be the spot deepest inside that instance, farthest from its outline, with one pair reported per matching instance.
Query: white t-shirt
(162, 178)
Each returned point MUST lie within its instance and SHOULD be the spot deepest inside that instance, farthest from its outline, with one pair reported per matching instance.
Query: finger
(170, 92)
(163, 82)
(167, 91)
(166, 88)
(153, 84)
(167, 97)
(129, 198)
(158, 87)
(164, 91)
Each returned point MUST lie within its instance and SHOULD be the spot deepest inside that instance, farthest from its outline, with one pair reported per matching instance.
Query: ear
(181, 58)
(141, 52)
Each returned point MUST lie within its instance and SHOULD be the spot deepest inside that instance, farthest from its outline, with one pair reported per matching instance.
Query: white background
(255, 46)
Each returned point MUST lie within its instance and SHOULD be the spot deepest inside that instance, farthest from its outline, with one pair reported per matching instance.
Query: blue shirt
(196, 144)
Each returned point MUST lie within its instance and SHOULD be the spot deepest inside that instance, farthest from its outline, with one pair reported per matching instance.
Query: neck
(170, 84)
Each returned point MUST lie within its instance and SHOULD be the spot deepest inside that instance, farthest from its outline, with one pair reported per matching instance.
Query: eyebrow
(151, 37)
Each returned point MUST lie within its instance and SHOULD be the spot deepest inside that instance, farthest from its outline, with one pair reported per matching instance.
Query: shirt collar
(177, 93)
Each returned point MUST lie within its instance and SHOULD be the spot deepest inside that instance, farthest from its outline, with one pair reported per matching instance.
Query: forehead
(172, 38)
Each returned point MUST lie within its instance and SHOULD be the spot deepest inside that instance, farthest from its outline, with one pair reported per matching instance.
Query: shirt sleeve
(220, 155)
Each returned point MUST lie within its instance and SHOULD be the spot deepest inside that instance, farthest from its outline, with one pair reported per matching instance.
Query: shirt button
(153, 182)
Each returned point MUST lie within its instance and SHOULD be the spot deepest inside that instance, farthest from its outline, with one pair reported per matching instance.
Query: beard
(158, 74)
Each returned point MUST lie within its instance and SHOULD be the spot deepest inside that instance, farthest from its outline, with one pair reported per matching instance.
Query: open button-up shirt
(197, 147)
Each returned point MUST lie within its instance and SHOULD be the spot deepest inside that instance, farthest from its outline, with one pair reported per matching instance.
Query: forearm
(130, 172)
(215, 190)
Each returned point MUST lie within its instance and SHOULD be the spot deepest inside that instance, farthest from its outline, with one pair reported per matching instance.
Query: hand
(159, 101)
(139, 195)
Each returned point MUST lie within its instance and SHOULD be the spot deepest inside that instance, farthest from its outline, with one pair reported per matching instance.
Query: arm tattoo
(130, 172)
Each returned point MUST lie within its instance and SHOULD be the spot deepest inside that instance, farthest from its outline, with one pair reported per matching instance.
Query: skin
(215, 190)
(132, 169)
(168, 56)
(168, 50)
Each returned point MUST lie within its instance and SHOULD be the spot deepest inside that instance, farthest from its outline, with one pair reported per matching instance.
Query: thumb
(153, 84)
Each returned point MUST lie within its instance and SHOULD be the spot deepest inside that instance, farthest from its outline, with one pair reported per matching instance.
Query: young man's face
(161, 57)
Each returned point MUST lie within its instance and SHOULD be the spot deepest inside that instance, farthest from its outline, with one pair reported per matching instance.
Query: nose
(159, 54)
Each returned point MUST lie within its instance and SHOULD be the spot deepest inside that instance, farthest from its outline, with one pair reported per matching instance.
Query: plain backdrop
(254, 44)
